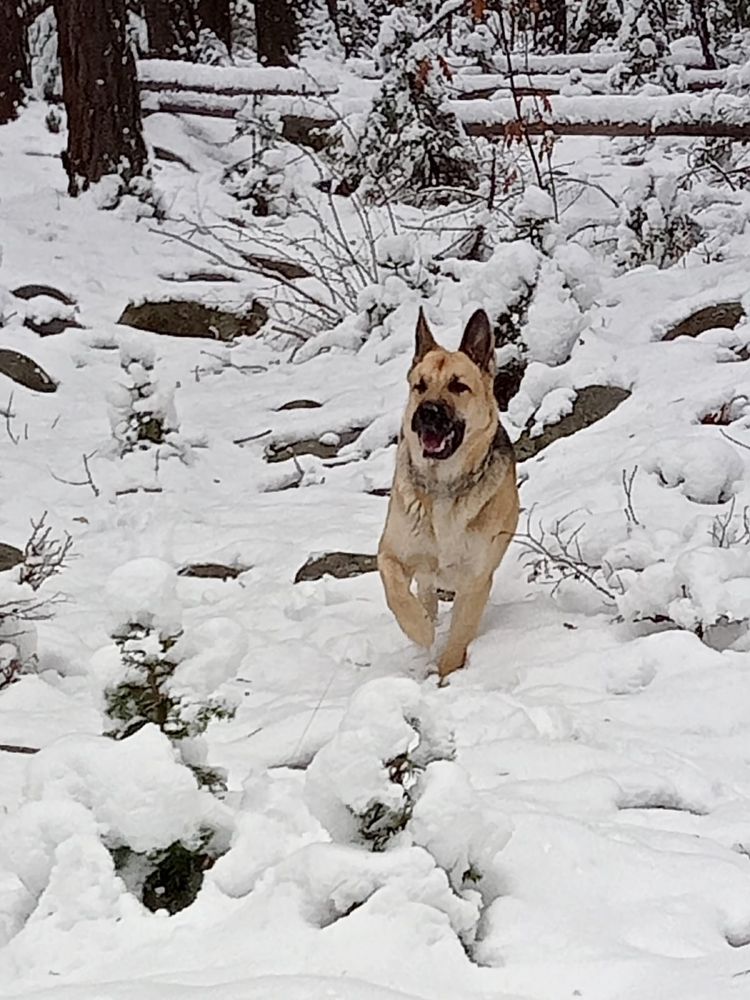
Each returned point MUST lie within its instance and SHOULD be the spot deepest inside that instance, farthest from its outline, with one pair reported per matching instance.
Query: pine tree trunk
(216, 15)
(14, 59)
(700, 23)
(100, 92)
(277, 31)
(172, 28)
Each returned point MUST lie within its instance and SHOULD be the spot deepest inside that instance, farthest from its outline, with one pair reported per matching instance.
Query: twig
(251, 437)
(565, 563)
(9, 417)
(627, 485)
(740, 444)
(88, 481)
(44, 556)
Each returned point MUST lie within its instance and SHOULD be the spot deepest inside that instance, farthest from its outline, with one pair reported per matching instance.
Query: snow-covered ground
(600, 781)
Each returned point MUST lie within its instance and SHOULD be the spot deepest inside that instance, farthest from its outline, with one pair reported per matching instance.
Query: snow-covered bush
(21, 607)
(697, 578)
(262, 179)
(263, 186)
(409, 143)
(656, 224)
(334, 881)
(554, 318)
(161, 673)
(96, 808)
(359, 24)
(360, 785)
(532, 214)
(142, 412)
(386, 781)
(643, 36)
(592, 22)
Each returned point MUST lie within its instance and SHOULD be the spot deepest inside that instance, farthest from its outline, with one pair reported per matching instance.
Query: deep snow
(601, 768)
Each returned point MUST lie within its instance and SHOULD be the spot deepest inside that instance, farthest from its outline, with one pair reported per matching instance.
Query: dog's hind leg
(408, 611)
(468, 609)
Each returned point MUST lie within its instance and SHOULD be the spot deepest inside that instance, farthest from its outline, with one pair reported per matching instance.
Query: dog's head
(451, 407)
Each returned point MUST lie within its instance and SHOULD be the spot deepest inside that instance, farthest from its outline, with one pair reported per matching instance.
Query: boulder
(190, 318)
(25, 372)
(593, 403)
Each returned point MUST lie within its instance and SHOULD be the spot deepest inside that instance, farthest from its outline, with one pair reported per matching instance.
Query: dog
(454, 503)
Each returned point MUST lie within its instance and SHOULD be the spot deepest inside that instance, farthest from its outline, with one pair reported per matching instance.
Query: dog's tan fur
(449, 520)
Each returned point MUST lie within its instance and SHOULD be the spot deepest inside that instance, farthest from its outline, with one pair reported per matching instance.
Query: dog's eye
(457, 386)
(420, 386)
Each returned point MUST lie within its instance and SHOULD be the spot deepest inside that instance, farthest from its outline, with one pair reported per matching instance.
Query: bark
(14, 59)
(100, 92)
(216, 15)
(700, 23)
(172, 28)
(277, 31)
(309, 131)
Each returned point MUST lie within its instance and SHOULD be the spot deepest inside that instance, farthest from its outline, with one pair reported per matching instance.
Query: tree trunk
(172, 28)
(14, 59)
(100, 92)
(216, 15)
(700, 23)
(277, 31)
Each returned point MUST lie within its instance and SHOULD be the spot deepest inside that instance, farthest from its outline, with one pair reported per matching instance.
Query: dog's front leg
(468, 607)
(427, 595)
(407, 610)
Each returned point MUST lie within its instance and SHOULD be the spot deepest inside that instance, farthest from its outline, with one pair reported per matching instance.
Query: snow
(134, 789)
(160, 74)
(573, 817)
(654, 110)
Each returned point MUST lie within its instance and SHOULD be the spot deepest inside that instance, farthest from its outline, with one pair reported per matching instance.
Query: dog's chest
(456, 549)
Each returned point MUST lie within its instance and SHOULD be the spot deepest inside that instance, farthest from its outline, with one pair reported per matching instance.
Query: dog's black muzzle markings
(440, 431)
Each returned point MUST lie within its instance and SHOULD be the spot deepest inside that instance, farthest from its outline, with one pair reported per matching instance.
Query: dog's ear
(477, 342)
(424, 342)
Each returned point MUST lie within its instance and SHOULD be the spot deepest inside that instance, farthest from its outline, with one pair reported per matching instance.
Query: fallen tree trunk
(698, 130)
(301, 128)
(159, 75)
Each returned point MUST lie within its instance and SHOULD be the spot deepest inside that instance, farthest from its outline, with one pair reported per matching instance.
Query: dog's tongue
(432, 441)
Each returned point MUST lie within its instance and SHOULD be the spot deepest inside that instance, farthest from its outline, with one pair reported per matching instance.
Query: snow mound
(358, 784)
(138, 793)
(705, 469)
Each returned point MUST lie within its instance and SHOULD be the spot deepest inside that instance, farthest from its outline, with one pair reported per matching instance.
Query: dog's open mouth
(439, 432)
(437, 444)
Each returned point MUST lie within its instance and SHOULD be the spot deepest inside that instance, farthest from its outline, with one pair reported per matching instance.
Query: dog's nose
(433, 412)
(434, 415)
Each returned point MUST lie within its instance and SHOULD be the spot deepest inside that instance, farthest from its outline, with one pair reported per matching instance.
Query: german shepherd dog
(454, 502)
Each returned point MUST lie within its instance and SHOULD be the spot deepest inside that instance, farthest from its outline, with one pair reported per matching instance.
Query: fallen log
(158, 75)
(695, 130)
(712, 115)
(301, 129)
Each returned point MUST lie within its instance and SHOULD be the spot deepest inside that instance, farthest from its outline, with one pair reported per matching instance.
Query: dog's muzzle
(439, 430)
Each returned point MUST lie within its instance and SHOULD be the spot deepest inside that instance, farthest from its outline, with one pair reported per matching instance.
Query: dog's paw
(452, 659)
